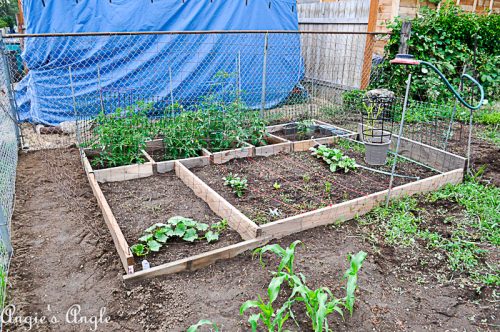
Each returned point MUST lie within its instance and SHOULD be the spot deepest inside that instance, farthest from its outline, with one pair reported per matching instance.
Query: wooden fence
(334, 59)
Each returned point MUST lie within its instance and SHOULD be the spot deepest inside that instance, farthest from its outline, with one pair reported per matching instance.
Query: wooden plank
(124, 173)
(237, 220)
(425, 154)
(225, 156)
(304, 145)
(275, 145)
(356, 207)
(119, 240)
(367, 57)
(169, 165)
(198, 261)
(86, 164)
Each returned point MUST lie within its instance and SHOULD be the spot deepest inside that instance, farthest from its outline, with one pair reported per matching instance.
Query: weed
(306, 178)
(335, 158)
(276, 186)
(238, 184)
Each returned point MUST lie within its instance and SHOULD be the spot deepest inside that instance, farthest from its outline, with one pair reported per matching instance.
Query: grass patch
(403, 223)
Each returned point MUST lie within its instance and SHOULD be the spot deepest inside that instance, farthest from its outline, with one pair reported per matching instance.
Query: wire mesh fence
(8, 164)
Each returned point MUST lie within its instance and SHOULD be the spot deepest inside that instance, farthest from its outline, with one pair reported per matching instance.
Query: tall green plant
(120, 136)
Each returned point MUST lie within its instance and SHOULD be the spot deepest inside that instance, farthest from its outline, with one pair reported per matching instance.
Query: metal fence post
(264, 75)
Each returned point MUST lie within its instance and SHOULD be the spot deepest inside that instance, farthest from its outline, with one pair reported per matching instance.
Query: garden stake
(405, 105)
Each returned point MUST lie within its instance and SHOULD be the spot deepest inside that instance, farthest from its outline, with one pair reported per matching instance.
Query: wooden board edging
(356, 207)
(236, 220)
(198, 261)
(119, 240)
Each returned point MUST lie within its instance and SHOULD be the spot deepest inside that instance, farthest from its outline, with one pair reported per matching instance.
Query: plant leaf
(180, 229)
(154, 246)
(201, 226)
(146, 237)
(190, 235)
(211, 236)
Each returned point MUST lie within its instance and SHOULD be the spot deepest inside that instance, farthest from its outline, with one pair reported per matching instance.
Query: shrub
(451, 39)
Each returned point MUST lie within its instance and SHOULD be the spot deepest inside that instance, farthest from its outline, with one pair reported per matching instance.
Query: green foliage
(355, 263)
(492, 118)
(447, 39)
(482, 204)
(238, 184)
(120, 136)
(335, 158)
(287, 255)
(318, 303)
(189, 230)
(403, 223)
(276, 185)
(273, 319)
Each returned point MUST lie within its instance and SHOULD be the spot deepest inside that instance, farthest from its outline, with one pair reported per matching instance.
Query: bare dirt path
(65, 256)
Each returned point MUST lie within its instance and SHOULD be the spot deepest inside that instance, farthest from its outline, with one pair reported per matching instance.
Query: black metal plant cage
(377, 118)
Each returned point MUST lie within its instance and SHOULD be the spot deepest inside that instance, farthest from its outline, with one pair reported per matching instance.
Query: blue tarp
(180, 68)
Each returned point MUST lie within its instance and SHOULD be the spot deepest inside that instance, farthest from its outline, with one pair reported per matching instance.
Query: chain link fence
(8, 164)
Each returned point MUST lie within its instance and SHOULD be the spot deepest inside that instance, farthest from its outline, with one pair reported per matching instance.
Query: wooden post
(367, 58)
(405, 36)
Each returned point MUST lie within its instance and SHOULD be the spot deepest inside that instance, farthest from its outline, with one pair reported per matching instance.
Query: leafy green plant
(451, 39)
(187, 229)
(319, 303)
(120, 136)
(273, 319)
(238, 184)
(276, 186)
(335, 158)
(287, 255)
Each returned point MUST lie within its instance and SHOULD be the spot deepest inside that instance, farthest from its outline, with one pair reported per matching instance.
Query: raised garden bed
(288, 191)
(138, 204)
(305, 183)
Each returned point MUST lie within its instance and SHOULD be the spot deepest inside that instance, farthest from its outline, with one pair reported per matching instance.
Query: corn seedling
(334, 158)
(355, 263)
(189, 230)
(273, 319)
(287, 255)
(238, 184)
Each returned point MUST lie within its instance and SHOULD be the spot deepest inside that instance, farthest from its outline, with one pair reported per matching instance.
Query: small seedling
(238, 184)
(335, 158)
(328, 187)
(306, 178)
(276, 186)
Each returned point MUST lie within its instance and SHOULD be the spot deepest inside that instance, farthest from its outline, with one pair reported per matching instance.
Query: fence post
(8, 86)
(405, 36)
(264, 75)
(367, 57)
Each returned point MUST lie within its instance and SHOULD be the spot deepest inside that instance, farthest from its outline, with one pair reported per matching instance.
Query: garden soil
(64, 256)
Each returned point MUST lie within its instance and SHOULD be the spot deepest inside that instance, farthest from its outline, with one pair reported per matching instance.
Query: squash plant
(187, 229)
(335, 158)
